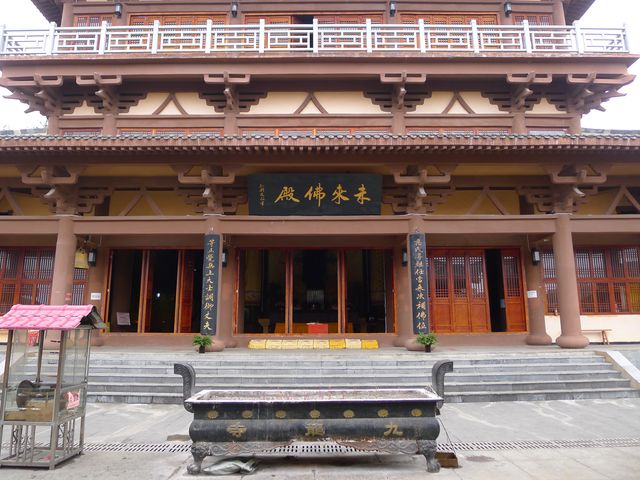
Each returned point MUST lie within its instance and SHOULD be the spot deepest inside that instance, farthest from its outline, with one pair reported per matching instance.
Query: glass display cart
(45, 389)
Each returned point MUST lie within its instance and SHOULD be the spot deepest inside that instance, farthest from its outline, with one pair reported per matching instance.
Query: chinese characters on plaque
(211, 267)
(315, 194)
(419, 282)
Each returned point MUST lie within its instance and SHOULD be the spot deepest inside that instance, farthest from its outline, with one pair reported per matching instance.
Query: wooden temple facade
(325, 169)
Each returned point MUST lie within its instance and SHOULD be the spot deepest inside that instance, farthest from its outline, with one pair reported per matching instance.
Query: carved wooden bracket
(227, 78)
(580, 174)
(71, 199)
(420, 176)
(411, 199)
(403, 78)
(50, 175)
(557, 198)
(213, 182)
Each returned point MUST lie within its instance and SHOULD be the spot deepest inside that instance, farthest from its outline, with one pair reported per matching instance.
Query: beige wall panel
(544, 107)
(347, 103)
(5, 206)
(31, 205)
(458, 203)
(624, 328)
(147, 105)
(129, 171)
(625, 170)
(243, 209)
(9, 172)
(434, 105)
(83, 110)
(480, 104)
(386, 209)
(171, 203)
(278, 103)
(120, 200)
(503, 170)
(194, 105)
(170, 109)
(311, 109)
(599, 204)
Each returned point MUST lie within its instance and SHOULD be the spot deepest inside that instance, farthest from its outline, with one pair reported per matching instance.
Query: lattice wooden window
(26, 275)
(608, 280)
(458, 130)
(268, 19)
(170, 131)
(449, 18)
(91, 20)
(177, 19)
(310, 132)
(533, 19)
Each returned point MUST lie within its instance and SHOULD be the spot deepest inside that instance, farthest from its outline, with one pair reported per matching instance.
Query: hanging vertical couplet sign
(210, 282)
(419, 282)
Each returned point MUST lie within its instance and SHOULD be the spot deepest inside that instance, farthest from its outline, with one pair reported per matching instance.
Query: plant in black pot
(427, 339)
(202, 342)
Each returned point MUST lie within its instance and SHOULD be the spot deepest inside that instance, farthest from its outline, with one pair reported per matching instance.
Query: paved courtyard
(588, 439)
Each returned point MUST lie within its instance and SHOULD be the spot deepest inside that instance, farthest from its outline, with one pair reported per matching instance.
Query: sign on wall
(315, 194)
(419, 282)
(210, 281)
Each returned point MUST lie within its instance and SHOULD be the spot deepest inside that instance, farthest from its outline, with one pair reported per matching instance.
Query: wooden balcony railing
(314, 38)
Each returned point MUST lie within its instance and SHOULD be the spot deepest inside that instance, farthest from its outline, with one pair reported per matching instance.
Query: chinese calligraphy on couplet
(208, 319)
(419, 282)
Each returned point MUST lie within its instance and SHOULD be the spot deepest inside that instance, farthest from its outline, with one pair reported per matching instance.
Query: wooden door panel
(186, 291)
(513, 290)
(441, 315)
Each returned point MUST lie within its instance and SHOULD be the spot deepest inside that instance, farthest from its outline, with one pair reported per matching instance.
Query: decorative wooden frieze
(232, 98)
(399, 97)
(556, 198)
(578, 174)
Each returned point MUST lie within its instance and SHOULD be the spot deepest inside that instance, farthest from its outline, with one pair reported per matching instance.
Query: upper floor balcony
(340, 39)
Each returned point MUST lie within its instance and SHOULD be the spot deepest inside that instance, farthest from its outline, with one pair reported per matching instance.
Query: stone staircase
(477, 377)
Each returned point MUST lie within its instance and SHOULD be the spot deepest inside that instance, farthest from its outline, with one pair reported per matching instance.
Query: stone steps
(144, 378)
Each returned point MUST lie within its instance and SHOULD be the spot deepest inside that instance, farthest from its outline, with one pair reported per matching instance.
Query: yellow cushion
(369, 344)
(290, 344)
(273, 345)
(337, 344)
(258, 344)
(353, 343)
(321, 344)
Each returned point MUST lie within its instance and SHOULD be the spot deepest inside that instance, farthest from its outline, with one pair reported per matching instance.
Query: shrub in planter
(427, 339)
(202, 342)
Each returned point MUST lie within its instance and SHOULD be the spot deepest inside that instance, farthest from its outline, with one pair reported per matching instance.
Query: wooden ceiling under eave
(51, 9)
(575, 9)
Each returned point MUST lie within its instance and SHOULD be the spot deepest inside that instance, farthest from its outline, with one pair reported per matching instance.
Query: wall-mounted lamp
(392, 8)
(535, 256)
(81, 259)
(224, 257)
(508, 8)
(405, 257)
(92, 257)
(234, 8)
(118, 11)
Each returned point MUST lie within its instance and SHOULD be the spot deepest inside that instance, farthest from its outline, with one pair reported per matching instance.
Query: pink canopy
(49, 317)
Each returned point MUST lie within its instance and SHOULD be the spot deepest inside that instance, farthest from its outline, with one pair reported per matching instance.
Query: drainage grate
(316, 448)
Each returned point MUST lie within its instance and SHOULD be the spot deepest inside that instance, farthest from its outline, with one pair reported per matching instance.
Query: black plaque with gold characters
(419, 282)
(315, 194)
(211, 267)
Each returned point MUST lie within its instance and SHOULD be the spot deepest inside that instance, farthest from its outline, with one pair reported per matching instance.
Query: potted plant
(202, 342)
(427, 339)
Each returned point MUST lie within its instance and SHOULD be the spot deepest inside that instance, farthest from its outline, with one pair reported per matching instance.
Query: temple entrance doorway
(155, 291)
(314, 291)
(476, 290)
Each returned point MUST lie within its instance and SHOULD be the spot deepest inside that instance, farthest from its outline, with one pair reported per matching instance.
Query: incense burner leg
(428, 449)
(199, 453)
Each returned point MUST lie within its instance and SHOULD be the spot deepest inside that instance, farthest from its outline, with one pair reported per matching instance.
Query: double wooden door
(459, 291)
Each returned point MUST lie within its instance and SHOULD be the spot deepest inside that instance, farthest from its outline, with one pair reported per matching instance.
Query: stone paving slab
(583, 464)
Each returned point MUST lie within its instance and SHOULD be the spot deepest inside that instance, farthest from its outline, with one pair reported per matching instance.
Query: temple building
(323, 170)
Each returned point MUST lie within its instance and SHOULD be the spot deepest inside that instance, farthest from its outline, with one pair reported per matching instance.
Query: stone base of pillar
(400, 340)
(413, 346)
(228, 342)
(539, 339)
(572, 341)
